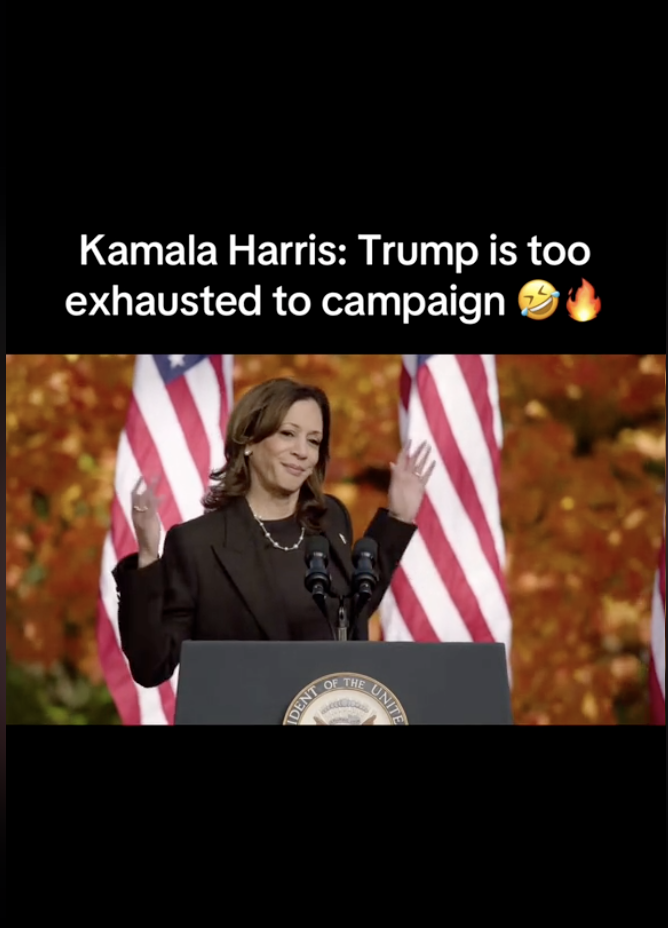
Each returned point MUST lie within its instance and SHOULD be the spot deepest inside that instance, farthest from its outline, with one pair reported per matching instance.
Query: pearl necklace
(275, 543)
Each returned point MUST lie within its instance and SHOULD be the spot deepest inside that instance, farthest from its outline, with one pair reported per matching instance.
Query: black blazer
(211, 584)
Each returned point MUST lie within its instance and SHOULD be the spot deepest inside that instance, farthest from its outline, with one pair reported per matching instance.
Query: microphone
(365, 577)
(317, 579)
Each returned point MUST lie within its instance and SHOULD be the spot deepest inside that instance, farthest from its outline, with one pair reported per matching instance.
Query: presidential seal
(345, 699)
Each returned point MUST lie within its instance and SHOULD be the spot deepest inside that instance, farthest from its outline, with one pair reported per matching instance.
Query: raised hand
(145, 519)
(408, 482)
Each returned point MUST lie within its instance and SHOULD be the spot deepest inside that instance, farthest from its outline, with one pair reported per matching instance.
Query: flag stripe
(450, 584)
(453, 574)
(123, 539)
(457, 526)
(174, 428)
(394, 629)
(190, 421)
(163, 435)
(202, 383)
(475, 375)
(117, 675)
(123, 543)
(150, 464)
(432, 625)
(489, 363)
(451, 451)
(412, 612)
(135, 704)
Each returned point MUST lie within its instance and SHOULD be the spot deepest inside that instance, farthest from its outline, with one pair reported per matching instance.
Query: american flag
(657, 664)
(175, 428)
(450, 584)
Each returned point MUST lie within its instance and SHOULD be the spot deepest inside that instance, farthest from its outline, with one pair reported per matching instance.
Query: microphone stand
(344, 623)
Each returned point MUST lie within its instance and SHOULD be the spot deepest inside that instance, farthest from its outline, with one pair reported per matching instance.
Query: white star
(177, 360)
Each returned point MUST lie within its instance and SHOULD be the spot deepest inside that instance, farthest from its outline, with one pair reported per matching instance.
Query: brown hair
(259, 414)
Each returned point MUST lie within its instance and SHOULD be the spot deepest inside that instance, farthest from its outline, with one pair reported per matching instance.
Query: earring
(247, 453)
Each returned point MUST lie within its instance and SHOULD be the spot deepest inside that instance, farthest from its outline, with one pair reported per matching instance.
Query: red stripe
(123, 540)
(475, 375)
(452, 573)
(116, 673)
(149, 463)
(192, 426)
(411, 610)
(454, 579)
(457, 468)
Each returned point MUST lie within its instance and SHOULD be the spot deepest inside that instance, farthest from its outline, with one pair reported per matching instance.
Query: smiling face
(284, 461)
(538, 299)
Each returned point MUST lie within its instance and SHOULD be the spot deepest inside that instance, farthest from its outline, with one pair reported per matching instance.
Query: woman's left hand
(408, 482)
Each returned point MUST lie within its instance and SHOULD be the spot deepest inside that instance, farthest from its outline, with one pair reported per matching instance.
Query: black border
(585, 772)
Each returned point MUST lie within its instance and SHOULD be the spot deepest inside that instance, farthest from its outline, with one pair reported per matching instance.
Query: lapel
(339, 549)
(237, 550)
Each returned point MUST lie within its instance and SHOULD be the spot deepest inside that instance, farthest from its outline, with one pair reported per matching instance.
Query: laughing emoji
(538, 299)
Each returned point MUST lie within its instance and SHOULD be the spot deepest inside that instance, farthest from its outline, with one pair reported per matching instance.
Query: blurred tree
(583, 491)
(57, 696)
(64, 416)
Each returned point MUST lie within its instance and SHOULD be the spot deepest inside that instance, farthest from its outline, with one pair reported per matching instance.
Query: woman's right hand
(146, 521)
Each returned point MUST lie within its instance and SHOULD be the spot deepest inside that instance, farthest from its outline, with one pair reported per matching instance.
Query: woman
(237, 572)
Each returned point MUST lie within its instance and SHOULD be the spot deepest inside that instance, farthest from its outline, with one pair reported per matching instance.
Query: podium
(342, 683)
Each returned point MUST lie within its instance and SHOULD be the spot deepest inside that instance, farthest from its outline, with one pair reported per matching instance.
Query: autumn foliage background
(582, 496)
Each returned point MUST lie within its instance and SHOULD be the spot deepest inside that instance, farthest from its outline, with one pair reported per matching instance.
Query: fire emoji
(585, 306)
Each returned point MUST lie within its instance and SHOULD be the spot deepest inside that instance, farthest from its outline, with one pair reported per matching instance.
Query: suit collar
(339, 546)
(238, 549)
(239, 552)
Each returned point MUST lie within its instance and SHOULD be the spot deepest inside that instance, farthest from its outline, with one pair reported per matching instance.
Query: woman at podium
(239, 571)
